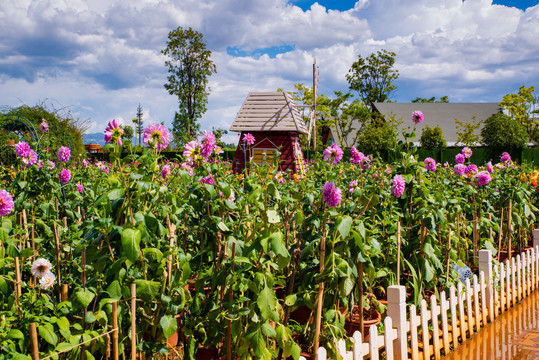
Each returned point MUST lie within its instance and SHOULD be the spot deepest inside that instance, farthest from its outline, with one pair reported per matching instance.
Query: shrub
(378, 135)
(432, 138)
(502, 131)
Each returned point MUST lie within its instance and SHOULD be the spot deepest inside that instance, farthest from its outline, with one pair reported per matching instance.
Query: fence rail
(441, 325)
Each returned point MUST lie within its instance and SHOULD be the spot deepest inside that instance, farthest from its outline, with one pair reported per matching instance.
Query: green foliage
(502, 131)
(349, 118)
(522, 106)
(189, 66)
(372, 77)
(378, 134)
(443, 99)
(466, 132)
(64, 129)
(432, 138)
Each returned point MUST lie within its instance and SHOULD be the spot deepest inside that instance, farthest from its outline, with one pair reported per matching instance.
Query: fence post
(535, 237)
(485, 265)
(396, 310)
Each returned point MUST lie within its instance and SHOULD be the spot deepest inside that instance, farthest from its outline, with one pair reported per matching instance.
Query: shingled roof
(269, 111)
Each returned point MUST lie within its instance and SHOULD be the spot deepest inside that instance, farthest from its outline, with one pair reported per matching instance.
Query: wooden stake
(115, 352)
(320, 299)
(18, 289)
(490, 227)
(398, 257)
(475, 235)
(448, 258)
(500, 234)
(360, 295)
(64, 296)
(133, 322)
(423, 236)
(58, 258)
(230, 296)
(34, 349)
(171, 239)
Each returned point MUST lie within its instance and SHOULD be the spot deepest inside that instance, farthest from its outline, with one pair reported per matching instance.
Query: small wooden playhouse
(275, 122)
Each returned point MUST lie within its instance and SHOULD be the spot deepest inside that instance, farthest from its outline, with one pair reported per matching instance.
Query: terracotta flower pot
(370, 317)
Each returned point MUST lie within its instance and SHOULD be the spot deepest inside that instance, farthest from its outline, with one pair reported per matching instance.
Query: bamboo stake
(115, 352)
(18, 289)
(58, 258)
(133, 322)
(320, 298)
(64, 296)
(398, 256)
(423, 236)
(509, 228)
(26, 232)
(34, 349)
(448, 249)
(490, 228)
(171, 238)
(500, 234)
(360, 295)
(475, 235)
(230, 296)
(458, 236)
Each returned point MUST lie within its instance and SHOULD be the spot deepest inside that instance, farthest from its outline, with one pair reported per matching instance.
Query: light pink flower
(47, 281)
(165, 172)
(80, 188)
(40, 267)
(417, 117)
(483, 178)
(353, 186)
(22, 149)
(280, 177)
(467, 152)
(156, 136)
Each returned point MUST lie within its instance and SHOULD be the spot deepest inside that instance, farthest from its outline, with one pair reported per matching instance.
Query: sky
(99, 59)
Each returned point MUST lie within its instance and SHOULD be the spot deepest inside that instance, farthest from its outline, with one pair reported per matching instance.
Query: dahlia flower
(165, 172)
(208, 143)
(249, 139)
(430, 164)
(470, 169)
(114, 132)
(156, 136)
(353, 186)
(505, 158)
(47, 281)
(357, 156)
(40, 267)
(417, 117)
(483, 178)
(30, 159)
(64, 176)
(64, 154)
(333, 154)
(459, 169)
(44, 126)
(467, 152)
(397, 186)
(6, 203)
(460, 159)
(22, 149)
(331, 194)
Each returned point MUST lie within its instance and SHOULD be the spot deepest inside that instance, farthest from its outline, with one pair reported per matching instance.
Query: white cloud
(101, 58)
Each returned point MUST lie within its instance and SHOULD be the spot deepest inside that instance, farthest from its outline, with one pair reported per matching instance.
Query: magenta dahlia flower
(44, 126)
(397, 186)
(80, 188)
(22, 149)
(459, 169)
(114, 132)
(207, 180)
(353, 186)
(249, 139)
(6, 203)
(64, 154)
(470, 169)
(467, 152)
(417, 117)
(64, 176)
(165, 172)
(333, 154)
(208, 143)
(30, 159)
(490, 169)
(430, 164)
(505, 158)
(331, 194)
(357, 156)
(483, 178)
(460, 159)
(156, 136)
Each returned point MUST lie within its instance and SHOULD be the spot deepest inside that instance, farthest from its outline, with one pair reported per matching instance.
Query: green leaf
(84, 298)
(130, 244)
(291, 299)
(114, 290)
(169, 325)
(63, 326)
(89, 318)
(344, 225)
(267, 302)
(268, 330)
(47, 333)
(15, 334)
(147, 290)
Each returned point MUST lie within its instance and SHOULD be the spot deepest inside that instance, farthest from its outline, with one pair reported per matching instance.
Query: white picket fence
(441, 327)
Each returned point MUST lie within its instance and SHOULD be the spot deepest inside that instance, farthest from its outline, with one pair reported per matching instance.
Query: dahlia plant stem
(320, 298)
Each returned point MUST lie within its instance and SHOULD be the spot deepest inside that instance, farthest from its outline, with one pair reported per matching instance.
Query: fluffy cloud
(101, 58)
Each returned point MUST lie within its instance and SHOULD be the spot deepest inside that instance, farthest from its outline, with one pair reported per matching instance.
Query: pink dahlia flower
(397, 186)
(40, 267)
(218, 150)
(280, 177)
(64, 176)
(357, 156)
(470, 169)
(22, 149)
(459, 169)
(30, 159)
(80, 188)
(208, 143)
(249, 139)
(430, 164)
(460, 159)
(331, 194)
(187, 167)
(114, 132)
(490, 169)
(483, 178)
(505, 158)
(467, 152)
(156, 136)
(64, 154)
(6, 203)
(165, 172)
(333, 154)
(44, 126)
(353, 186)
(417, 117)
(207, 180)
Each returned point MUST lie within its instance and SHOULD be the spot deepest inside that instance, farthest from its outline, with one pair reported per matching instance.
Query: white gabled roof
(269, 111)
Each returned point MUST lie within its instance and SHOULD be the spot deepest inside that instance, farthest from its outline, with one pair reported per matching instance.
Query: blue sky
(100, 58)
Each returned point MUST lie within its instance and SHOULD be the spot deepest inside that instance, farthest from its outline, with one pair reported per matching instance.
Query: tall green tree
(522, 107)
(443, 99)
(189, 66)
(372, 77)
